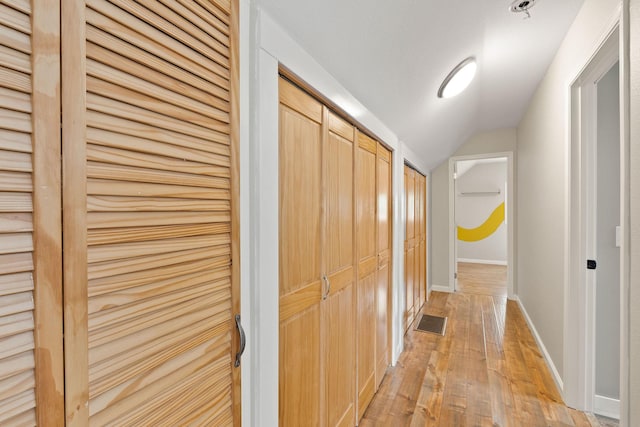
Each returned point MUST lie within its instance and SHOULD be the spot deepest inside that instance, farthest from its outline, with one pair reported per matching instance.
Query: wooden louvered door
(383, 291)
(30, 222)
(149, 141)
(367, 257)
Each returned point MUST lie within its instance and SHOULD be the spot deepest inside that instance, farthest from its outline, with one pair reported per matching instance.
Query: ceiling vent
(522, 6)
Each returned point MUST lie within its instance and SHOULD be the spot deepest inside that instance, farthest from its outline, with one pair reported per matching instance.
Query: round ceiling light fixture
(458, 79)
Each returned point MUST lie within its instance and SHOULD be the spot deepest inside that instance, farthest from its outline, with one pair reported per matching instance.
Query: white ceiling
(392, 56)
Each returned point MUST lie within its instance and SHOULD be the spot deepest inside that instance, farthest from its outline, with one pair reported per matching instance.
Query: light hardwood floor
(486, 371)
(483, 279)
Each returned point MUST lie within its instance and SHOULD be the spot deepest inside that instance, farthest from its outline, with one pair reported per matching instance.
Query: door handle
(243, 341)
(327, 286)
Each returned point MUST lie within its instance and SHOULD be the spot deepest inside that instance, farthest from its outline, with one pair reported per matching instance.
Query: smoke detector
(522, 6)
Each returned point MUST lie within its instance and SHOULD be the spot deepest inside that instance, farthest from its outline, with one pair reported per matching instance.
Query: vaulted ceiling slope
(392, 55)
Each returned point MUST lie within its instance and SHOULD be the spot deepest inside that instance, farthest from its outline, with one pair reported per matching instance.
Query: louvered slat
(146, 264)
(142, 138)
(15, 182)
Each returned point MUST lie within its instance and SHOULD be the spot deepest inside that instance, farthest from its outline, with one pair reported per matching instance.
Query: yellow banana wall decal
(486, 229)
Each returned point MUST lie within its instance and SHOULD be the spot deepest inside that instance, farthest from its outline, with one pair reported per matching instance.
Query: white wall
(634, 216)
(496, 141)
(473, 209)
(607, 360)
(543, 180)
(440, 226)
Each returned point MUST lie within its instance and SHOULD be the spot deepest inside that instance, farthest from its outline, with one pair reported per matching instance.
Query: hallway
(486, 371)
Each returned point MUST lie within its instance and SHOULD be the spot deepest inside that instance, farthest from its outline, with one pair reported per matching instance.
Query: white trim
(606, 407)
(265, 218)
(249, 396)
(440, 288)
(483, 261)
(625, 214)
(552, 367)
(510, 201)
(579, 313)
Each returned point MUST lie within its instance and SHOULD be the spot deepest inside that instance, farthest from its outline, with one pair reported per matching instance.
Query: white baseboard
(543, 349)
(440, 288)
(606, 406)
(482, 261)
(399, 349)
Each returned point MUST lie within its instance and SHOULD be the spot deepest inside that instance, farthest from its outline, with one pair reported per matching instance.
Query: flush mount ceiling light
(458, 79)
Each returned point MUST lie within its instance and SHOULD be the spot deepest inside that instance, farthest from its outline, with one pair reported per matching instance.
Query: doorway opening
(481, 224)
(593, 298)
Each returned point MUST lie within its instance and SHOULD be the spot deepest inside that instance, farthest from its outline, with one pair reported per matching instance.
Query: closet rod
(478, 193)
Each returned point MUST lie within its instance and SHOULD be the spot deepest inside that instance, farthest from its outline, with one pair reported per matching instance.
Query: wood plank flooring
(483, 279)
(486, 371)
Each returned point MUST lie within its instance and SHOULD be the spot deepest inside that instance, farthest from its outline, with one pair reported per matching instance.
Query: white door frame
(579, 320)
(510, 205)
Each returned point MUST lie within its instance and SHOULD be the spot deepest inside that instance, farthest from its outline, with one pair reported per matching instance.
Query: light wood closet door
(301, 242)
(425, 237)
(30, 221)
(338, 310)
(150, 218)
(417, 284)
(422, 278)
(384, 263)
(410, 256)
(366, 226)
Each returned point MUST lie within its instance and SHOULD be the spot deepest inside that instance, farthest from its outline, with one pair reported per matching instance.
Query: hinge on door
(455, 275)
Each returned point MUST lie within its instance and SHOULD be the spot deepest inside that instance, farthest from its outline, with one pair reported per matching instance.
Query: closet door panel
(382, 322)
(366, 223)
(340, 357)
(300, 200)
(422, 242)
(366, 341)
(416, 281)
(411, 204)
(339, 196)
(422, 273)
(410, 257)
(31, 358)
(150, 212)
(301, 289)
(339, 253)
(300, 374)
(425, 238)
(409, 280)
(366, 198)
(416, 244)
(384, 259)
